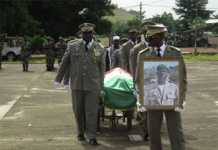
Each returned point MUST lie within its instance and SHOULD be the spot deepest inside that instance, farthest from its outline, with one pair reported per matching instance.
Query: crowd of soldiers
(51, 49)
(86, 61)
(83, 62)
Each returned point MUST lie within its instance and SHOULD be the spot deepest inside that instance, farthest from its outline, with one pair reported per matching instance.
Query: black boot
(93, 142)
(81, 137)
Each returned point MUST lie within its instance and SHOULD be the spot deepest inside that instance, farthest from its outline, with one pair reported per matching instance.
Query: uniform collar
(133, 43)
(162, 49)
(90, 43)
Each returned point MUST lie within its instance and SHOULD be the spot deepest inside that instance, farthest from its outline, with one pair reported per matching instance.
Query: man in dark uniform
(158, 48)
(113, 54)
(50, 54)
(60, 47)
(141, 116)
(85, 61)
(2, 39)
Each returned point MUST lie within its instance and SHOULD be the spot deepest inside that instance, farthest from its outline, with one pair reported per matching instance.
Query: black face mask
(116, 44)
(155, 42)
(87, 36)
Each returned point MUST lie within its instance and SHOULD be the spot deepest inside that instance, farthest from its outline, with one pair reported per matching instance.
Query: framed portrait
(160, 82)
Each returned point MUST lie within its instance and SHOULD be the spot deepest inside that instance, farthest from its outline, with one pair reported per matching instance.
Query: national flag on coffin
(118, 87)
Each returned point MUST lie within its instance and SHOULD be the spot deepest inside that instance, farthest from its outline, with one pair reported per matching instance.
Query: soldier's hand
(178, 109)
(183, 105)
(140, 108)
(102, 94)
(181, 108)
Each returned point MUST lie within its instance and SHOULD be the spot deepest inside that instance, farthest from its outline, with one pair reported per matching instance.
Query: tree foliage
(15, 18)
(121, 28)
(188, 10)
(54, 17)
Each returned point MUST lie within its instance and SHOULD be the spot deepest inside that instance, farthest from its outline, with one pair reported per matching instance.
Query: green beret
(87, 27)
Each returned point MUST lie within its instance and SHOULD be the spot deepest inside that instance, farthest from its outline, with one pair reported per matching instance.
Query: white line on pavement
(61, 90)
(4, 109)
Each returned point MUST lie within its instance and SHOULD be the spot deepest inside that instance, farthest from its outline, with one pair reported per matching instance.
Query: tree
(54, 17)
(121, 28)
(15, 18)
(188, 10)
(63, 17)
(140, 16)
(196, 25)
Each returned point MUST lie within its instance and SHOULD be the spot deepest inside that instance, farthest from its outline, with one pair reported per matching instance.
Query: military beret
(87, 27)
(162, 67)
(123, 40)
(132, 30)
(144, 26)
(156, 29)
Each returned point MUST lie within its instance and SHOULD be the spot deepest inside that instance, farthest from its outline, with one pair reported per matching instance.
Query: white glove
(180, 109)
(57, 85)
(140, 108)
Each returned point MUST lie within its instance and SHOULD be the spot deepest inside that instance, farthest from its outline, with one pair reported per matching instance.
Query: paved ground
(35, 116)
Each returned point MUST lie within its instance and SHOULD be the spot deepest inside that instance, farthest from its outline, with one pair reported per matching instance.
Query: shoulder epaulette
(126, 43)
(144, 50)
(73, 41)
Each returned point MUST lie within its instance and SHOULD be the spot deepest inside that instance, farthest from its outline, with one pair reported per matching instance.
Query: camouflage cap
(87, 27)
(133, 30)
(155, 29)
(123, 40)
(162, 67)
(144, 26)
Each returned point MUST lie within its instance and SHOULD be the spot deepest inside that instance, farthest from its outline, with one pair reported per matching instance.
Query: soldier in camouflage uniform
(126, 47)
(141, 116)
(158, 48)
(25, 53)
(60, 48)
(2, 39)
(50, 54)
(113, 54)
(84, 59)
(67, 73)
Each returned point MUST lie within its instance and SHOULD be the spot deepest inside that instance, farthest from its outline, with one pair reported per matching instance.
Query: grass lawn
(201, 57)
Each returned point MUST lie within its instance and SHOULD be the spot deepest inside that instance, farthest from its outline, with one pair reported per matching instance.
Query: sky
(154, 7)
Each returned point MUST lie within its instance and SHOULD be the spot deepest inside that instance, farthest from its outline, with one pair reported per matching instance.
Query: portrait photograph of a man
(161, 83)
